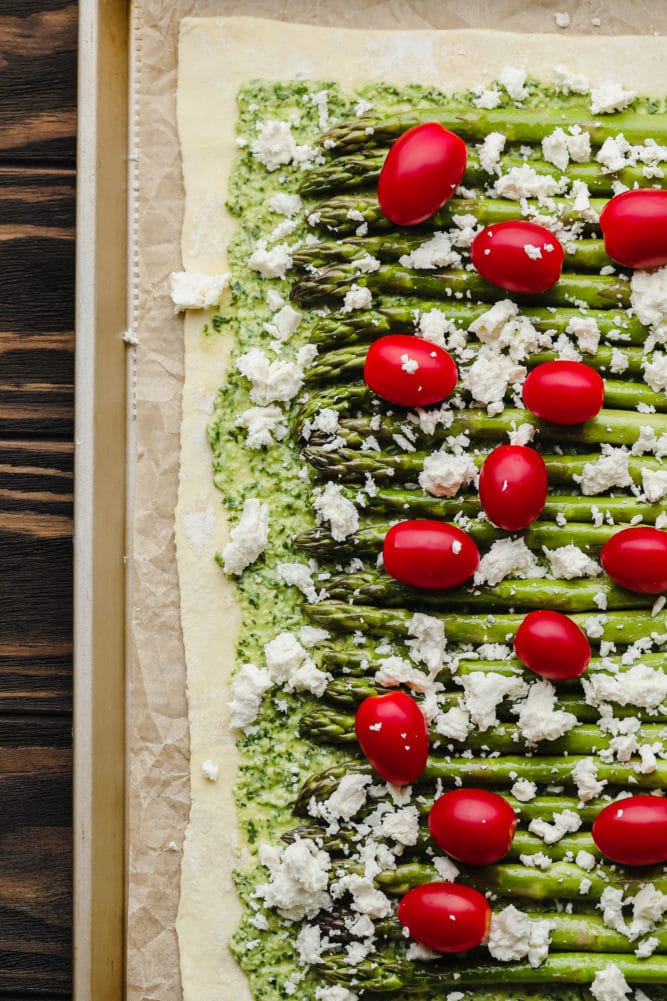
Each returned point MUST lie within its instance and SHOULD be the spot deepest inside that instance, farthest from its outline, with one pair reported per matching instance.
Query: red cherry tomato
(391, 730)
(513, 486)
(636, 558)
(449, 917)
(409, 371)
(552, 645)
(633, 831)
(564, 392)
(429, 554)
(522, 257)
(421, 172)
(473, 825)
(634, 226)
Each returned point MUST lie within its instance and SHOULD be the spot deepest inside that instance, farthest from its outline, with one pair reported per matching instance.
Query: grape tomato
(409, 371)
(519, 256)
(392, 733)
(564, 392)
(633, 831)
(474, 826)
(513, 486)
(636, 558)
(448, 917)
(552, 645)
(421, 172)
(429, 554)
(634, 226)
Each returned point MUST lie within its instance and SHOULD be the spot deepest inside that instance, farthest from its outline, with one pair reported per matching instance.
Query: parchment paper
(158, 776)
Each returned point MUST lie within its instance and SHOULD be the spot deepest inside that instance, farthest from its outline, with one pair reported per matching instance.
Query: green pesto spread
(275, 759)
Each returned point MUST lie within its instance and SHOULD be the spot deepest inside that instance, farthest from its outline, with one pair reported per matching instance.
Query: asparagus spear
(328, 726)
(362, 169)
(621, 628)
(350, 464)
(518, 125)
(342, 215)
(599, 291)
(584, 255)
(346, 364)
(399, 502)
(394, 315)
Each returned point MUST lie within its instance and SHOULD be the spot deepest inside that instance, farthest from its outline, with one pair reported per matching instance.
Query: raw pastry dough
(216, 56)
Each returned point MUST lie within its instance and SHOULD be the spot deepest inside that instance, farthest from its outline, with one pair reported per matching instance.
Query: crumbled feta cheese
(275, 146)
(532, 252)
(521, 435)
(210, 770)
(537, 719)
(536, 861)
(299, 575)
(507, 557)
(331, 505)
(585, 860)
(514, 935)
(428, 643)
(513, 79)
(568, 82)
(610, 470)
(525, 182)
(484, 691)
(524, 790)
(444, 474)
(193, 290)
(365, 898)
(562, 19)
(272, 382)
(639, 686)
(366, 264)
(285, 204)
(654, 483)
(437, 252)
(247, 689)
(566, 822)
(610, 97)
(587, 333)
(298, 878)
(346, 800)
(283, 323)
(554, 149)
(487, 99)
(273, 263)
(408, 364)
(247, 540)
(655, 372)
(490, 150)
(619, 361)
(490, 374)
(358, 297)
(335, 993)
(610, 984)
(265, 426)
(446, 869)
(568, 562)
(455, 723)
(585, 775)
(289, 665)
(311, 636)
(401, 826)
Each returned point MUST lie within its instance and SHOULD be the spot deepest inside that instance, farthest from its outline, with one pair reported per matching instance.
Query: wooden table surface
(38, 41)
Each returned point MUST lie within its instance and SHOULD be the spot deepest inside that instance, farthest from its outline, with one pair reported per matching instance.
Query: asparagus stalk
(351, 464)
(518, 125)
(616, 427)
(584, 254)
(362, 169)
(561, 880)
(346, 364)
(622, 628)
(343, 214)
(394, 315)
(325, 725)
(396, 501)
(599, 291)
(372, 588)
(448, 975)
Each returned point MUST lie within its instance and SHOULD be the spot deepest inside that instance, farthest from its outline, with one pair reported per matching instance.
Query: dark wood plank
(38, 80)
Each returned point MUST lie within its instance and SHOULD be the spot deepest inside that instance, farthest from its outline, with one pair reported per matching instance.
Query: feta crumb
(585, 775)
(487, 99)
(272, 382)
(443, 474)
(562, 19)
(568, 82)
(654, 483)
(210, 770)
(507, 557)
(285, 204)
(490, 374)
(248, 539)
(568, 562)
(408, 364)
(331, 505)
(537, 719)
(247, 689)
(270, 263)
(619, 361)
(298, 878)
(525, 182)
(290, 666)
(366, 264)
(299, 575)
(609, 984)
(513, 79)
(587, 333)
(428, 643)
(193, 290)
(610, 97)
(514, 935)
(447, 869)
(484, 691)
(437, 252)
(655, 371)
(490, 150)
(264, 425)
(536, 861)
(585, 860)
(532, 252)
(610, 470)
(284, 323)
(563, 823)
(524, 790)
(358, 297)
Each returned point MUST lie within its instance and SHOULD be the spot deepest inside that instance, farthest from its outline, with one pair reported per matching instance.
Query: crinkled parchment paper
(159, 771)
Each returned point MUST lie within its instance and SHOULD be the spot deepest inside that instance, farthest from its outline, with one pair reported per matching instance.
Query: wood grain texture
(38, 41)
